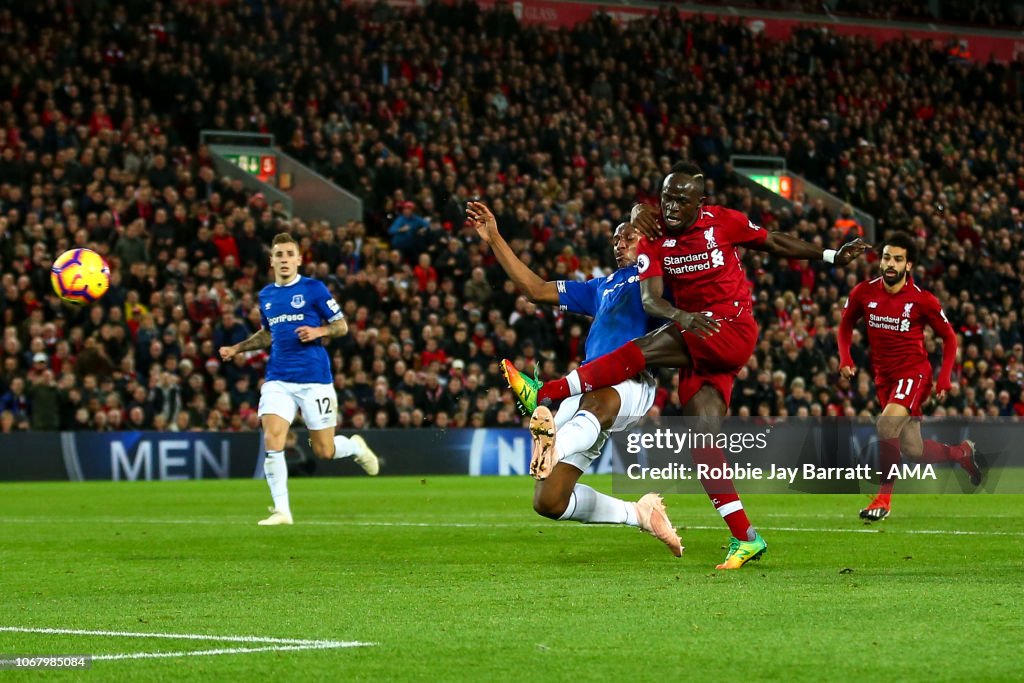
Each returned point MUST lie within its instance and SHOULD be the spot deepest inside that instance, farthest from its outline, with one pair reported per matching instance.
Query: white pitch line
(186, 636)
(275, 644)
(224, 651)
(501, 525)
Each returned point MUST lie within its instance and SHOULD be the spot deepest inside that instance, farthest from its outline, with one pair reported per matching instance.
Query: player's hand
(308, 334)
(848, 371)
(851, 251)
(940, 396)
(228, 352)
(697, 323)
(644, 218)
(482, 220)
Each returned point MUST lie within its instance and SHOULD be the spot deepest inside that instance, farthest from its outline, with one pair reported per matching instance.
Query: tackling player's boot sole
(542, 429)
(650, 512)
(276, 519)
(974, 464)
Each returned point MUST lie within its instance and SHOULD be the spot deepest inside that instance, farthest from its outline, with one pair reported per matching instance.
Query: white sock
(276, 471)
(578, 434)
(573, 380)
(344, 447)
(590, 507)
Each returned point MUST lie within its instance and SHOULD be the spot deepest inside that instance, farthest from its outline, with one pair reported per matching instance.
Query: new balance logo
(873, 304)
(669, 243)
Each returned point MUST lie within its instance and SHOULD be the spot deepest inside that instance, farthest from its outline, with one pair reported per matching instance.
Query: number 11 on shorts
(901, 392)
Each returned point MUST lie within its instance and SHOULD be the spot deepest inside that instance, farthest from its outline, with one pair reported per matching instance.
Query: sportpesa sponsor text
(286, 318)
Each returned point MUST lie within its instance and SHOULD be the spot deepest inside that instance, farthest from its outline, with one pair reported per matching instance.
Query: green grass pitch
(455, 578)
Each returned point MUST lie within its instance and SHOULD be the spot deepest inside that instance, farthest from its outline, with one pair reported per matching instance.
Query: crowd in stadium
(987, 13)
(418, 110)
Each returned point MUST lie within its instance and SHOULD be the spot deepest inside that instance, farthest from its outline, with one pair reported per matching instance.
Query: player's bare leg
(664, 348)
(560, 496)
(330, 446)
(708, 406)
(891, 425)
(275, 434)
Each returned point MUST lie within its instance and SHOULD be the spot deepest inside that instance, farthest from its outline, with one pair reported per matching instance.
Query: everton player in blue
(584, 422)
(297, 312)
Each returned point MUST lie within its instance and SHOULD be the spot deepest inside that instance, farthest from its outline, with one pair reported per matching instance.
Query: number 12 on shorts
(324, 405)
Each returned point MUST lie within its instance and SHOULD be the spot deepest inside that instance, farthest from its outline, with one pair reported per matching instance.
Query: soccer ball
(80, 276)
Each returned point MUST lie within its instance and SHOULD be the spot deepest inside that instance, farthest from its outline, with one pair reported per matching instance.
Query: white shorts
(318, 403)
(636, 398)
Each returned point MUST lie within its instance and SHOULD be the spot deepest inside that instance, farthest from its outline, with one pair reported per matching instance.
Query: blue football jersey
(615, 304)
(284, 309)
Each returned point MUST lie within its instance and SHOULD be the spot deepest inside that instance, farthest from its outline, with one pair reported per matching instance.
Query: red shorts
(910, 391)
(717, 359)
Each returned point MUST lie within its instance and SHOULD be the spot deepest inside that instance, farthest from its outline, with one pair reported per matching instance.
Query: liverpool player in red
(896, 311)
(711, 319)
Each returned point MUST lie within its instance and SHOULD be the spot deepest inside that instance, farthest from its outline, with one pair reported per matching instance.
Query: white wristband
(829, 255)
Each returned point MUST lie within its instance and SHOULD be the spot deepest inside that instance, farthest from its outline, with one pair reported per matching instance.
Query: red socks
(940, 452)
(605, 371)
(722, 493)
(888, 455)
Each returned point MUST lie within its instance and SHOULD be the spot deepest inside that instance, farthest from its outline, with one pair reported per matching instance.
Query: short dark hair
(690, 169)
(687, 167)
(902, 240)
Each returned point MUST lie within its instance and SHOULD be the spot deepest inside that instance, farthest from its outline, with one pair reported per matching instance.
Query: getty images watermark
(808, 455)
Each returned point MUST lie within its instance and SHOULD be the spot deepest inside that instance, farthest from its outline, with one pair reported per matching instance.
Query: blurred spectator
(408, 232)
(45, 401)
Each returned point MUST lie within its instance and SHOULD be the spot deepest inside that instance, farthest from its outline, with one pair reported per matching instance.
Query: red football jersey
(701, 266)
(895, 330)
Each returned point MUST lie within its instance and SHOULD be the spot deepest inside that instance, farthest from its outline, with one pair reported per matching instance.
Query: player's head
(285, 258)
(682, 193)
(625, 240)
(899, 253)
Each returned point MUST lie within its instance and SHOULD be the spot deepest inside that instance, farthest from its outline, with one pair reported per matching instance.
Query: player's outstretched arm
(652, 291)
(259, 340)
(528, 282)
(787, 246)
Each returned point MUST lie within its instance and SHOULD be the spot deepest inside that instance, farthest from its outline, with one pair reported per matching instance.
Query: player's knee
(549, 506)
(708, 407)
(889, 428)
(604, 405)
